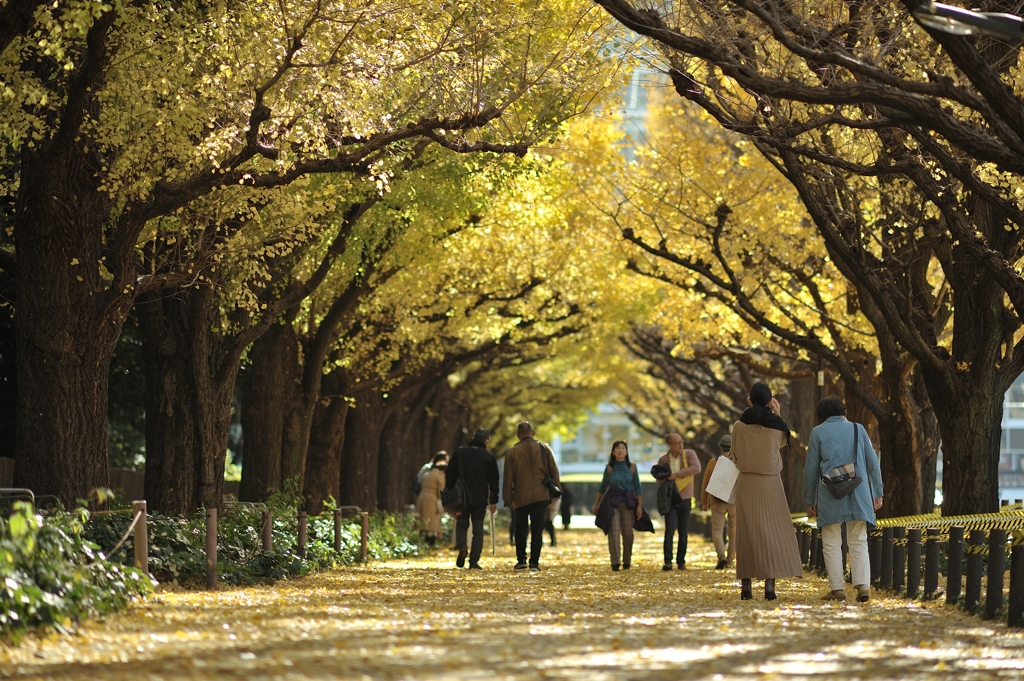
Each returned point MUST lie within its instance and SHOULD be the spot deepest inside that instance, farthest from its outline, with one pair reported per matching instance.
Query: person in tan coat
(719, 510)
(529, 466)
(766, 545)
(428, 503)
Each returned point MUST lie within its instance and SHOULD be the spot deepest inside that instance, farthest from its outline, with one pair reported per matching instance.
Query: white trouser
(832, 547)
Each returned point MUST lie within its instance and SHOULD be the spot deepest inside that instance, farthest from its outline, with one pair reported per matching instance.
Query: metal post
(302, 534)
(211, 548)
(931, 563)
(268, 530)
(805, 546)
(885, 576)
(975, 563)
(875, 550)
(820, 565)
(364, 536)
(996, 566)
(1015, 614)
(140, 537)
(913, 562)
(954, 565)
(812, 552)
(337, 530)
(899, 558)
(1004, 502)
(844, 546)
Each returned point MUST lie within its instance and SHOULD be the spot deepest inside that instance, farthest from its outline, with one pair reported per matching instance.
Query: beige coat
(428, 504)
(526, 466)
(765, 539)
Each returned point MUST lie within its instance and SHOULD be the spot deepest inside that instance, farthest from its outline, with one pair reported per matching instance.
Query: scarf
(763, 416)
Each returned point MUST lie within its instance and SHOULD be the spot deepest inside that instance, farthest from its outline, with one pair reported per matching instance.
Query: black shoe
(681, 567)
(534, 567)
(461, 560)
(625, 566)
(475, 566)
(769, 589)
(667, 567)
(615, 567)
(721, 564)
(746, 593)
(521, 566)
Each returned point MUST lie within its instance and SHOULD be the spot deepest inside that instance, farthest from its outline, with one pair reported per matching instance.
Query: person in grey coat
(832, 446)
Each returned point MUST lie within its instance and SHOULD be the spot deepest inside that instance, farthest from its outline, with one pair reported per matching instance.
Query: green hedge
(51, 575)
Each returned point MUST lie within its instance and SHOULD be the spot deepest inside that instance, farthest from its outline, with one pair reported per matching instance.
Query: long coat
(765, 539)
(428, 504)
(526, 466)
(831, 446)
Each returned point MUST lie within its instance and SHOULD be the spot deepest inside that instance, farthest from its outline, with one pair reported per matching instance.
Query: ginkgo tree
(118, 115)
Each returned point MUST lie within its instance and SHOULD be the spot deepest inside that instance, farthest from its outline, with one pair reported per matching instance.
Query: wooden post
(913, 562)
(996, 566)
(364, 536)
(211, 548)
(302, 534)
(954, 564)
(931, 563)
(885, 576)
(337, 530)
(875, 550)
(268, 530)
(899, 558)
(140, 537)
(975, 562)
(1015, 613)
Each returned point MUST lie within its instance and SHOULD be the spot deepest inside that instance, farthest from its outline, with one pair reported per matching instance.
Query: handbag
(453, 498)
(844, 479)
(722, 484)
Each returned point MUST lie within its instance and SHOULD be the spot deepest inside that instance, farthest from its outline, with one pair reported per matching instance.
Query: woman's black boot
(745, 593)
(769, 589)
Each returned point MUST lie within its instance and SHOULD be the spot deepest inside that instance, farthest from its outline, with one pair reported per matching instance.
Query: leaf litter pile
(424, 619)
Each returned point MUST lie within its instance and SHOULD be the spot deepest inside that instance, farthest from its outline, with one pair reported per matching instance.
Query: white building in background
(583, 458)
(1011, 447)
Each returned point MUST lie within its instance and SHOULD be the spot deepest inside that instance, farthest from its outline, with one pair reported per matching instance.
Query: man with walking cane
(478, 470)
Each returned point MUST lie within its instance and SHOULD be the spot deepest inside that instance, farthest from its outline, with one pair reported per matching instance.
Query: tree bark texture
(322, 478)
(359, 469)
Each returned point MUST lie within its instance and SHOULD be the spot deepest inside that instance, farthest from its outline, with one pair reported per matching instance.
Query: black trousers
(476, 514)
(678, 519)
(530, 520)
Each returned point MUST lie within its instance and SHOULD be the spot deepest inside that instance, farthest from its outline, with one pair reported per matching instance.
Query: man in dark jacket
(478, 470)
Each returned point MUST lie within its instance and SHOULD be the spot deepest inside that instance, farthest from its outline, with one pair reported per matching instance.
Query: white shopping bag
(723, 480)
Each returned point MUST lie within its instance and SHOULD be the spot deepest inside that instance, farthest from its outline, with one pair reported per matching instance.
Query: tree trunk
(67, 326)
(363, 425)
(322, 477)
(393, 476)
(191, 412)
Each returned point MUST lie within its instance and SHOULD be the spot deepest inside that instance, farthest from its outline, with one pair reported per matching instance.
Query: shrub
(51, 575)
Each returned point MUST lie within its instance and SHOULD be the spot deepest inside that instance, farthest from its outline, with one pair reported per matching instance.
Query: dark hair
(760, 394)
(611, 456)
(440, 456)
(524, 429)
(830, 406)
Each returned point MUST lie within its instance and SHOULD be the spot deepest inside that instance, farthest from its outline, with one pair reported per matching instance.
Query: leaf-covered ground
(423, 619)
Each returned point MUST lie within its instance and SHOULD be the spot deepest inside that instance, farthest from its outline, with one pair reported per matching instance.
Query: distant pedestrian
(549, 521)
(766, 545)
(568, 499)
(683, 464)
(720, 508)
(530, 478)
(428, 504)
(831, 446)
(417, 485)
(619, 504)
(478, 470)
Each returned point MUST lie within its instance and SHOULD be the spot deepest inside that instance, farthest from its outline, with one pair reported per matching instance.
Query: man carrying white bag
(718, 493)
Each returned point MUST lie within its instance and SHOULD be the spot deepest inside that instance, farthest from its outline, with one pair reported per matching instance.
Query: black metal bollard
(913, 562)
(211, 548)
(885, 576)
(899, 558)
(844, 547)
(931, 563)
(975, 563)
(954, 564)
(821, 551)
(1015, 614)
(268, 531)
(996, 566)
(805, 546)
(337, 530)
(813, 548)
(302, 534)
(875, 551)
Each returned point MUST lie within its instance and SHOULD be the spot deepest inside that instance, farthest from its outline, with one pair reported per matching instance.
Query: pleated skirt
(766, 544)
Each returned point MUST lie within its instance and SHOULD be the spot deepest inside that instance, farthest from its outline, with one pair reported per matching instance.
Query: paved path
(423, 619)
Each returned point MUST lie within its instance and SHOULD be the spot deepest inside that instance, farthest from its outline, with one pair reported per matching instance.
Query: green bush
(51, 575)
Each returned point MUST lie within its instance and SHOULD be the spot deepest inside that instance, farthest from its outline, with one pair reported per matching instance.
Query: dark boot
(745, 590)
(769, 589)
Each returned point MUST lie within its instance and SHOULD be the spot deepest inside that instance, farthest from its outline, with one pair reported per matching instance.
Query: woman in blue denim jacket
(620, 489)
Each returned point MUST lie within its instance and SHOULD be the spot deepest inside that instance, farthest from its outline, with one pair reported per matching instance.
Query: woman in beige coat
(766, 545)
(428, 504)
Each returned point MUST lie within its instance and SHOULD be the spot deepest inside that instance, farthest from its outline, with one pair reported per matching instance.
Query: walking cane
(492, 533)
